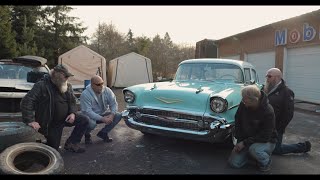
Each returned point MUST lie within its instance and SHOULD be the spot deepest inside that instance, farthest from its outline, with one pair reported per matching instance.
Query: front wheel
(146, 133)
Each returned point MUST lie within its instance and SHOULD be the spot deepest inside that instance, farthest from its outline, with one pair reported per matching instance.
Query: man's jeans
(107, 128)
(55, 131)
(261, 152)
(288, 148)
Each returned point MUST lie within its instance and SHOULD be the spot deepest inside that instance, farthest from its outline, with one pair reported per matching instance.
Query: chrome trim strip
(12, 94)
(132, 107)
(10, 115)
(201, 133)
(233, 106)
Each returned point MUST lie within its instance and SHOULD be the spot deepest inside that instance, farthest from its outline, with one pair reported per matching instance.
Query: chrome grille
(170, 114)
(170, 119)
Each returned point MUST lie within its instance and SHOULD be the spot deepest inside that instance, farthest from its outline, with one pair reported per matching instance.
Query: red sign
(294, 36)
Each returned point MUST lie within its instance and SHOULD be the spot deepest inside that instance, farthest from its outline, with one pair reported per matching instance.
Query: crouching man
(50, 106)
(100, 105)
(254, 130)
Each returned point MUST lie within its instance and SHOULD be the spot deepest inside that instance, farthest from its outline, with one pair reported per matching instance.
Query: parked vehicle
(199, 103)
(17, 77)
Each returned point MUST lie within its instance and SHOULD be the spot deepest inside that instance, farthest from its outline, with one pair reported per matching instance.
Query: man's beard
(268, 87)
(60, 83)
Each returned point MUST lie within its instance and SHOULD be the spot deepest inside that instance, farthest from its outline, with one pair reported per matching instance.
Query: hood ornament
(154, 86)
(199, 90)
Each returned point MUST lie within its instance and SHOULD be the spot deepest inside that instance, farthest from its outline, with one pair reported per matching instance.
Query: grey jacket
(90, 106)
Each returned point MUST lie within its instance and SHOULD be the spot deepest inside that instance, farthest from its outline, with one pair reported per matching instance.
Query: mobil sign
(308, 34)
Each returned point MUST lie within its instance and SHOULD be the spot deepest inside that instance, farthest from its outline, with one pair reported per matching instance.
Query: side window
(247, 76)
(255, 76)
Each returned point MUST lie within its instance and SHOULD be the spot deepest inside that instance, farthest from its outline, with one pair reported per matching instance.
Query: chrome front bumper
(219, 129)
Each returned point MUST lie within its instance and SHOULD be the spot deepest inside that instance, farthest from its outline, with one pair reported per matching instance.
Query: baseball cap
(63, 69)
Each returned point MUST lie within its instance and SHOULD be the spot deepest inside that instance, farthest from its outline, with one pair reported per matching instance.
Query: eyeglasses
(269, 76)
(100, 84)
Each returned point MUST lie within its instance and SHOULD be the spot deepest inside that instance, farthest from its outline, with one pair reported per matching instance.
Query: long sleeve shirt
(91, 106)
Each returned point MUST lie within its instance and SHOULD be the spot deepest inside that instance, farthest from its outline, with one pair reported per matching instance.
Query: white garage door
(262, 62)
(236, 57)
(302, 73)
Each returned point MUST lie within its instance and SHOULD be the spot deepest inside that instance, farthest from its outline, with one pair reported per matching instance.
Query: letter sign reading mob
(309, 33)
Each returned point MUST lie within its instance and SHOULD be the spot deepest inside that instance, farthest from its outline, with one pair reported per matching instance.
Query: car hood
(16, 83)
(187, 96)
(31, 60)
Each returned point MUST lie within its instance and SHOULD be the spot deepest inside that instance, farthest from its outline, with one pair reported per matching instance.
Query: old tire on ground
(31, 158)
(15, 132)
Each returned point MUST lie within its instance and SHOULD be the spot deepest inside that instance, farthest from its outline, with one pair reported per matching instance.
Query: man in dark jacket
(50, 105)
(282, 100)
(254, 130)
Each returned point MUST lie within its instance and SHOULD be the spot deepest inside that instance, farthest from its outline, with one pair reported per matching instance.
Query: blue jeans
(288, 148)
(261, 152)
(107, 128)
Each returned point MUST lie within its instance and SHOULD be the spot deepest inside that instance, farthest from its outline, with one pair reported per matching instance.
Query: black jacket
(282, 101)
(255, 126)
(38, 104)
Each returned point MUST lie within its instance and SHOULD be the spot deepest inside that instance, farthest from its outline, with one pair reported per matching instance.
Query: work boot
(308, 146)
(87, 139)
(104, 136)
(265, 168)
(73, 147)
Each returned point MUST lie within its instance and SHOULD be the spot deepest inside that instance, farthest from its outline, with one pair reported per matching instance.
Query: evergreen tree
(59, 32)
(7, 41)
(27, 46)
(25, 25)
(130, 40)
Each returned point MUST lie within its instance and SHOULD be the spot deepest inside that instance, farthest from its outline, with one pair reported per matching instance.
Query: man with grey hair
(282, 100)
(254, 130)
(50, 106)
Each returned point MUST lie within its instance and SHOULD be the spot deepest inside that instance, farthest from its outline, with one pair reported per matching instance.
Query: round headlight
(218, 104)
(128, 97)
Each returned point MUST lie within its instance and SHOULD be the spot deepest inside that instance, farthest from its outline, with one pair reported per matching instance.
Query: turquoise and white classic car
(199, 103)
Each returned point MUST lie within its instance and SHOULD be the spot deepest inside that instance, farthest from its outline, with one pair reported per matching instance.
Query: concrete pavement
(307, 107)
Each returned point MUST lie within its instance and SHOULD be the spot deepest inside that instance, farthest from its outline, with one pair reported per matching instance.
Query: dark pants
(288, 148)
(55, 131)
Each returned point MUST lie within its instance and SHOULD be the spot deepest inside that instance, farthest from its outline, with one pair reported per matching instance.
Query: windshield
(209, 72)
(14, 71)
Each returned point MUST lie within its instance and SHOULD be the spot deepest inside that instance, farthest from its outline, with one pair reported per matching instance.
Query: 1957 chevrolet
(199, 103)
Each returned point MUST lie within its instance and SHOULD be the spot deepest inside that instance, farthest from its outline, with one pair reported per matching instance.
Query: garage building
(292, 45)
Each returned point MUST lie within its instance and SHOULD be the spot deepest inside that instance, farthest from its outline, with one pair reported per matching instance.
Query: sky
(185, 24)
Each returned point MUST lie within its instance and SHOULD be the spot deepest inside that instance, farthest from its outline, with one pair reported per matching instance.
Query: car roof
(218, 60)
